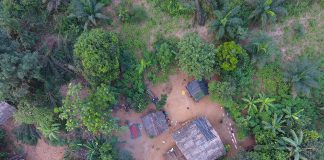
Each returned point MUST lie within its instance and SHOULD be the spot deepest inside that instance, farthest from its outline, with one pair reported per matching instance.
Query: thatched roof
(174, 154)
(6, 112)
(155, 123)
(197, 89)
(198, 140)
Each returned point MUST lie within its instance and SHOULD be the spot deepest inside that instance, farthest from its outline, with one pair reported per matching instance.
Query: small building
(197, 89)
(197, 140)
(6, 112)
(155, 123)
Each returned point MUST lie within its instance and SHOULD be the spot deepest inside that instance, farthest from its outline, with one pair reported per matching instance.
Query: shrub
(162, 60)
(94, 112)
(27, 134)
(162, 102)
(29, 114)
(221, 91)
(196, 57)
(99, 52)
(137, 14)
(228, 55)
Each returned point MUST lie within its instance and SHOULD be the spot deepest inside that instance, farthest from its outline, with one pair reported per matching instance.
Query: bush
(27, 134)
(162, 102)
(99, 52)
(228, 55)
(221, 91)
(162, 61)
(196, 57)
(137, 14)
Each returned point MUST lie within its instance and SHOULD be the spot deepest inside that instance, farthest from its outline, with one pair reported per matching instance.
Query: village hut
(197, 140)
(197, 89)
(174, 154)
(6, 112)
(155, 123)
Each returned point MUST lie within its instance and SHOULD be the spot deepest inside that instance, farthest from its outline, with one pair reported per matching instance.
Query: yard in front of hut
(180, 108)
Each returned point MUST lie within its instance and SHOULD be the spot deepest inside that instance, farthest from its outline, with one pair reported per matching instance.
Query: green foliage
(311, 135)
(162, 60)
(196, 57)
(69, 27)
(162, 102)
(227, 24)
(175, 7)
(16, 69)
(27, 113)
(99, 53)
(294, 145)
(132, 85)
(100, 148)
(221, 91)
(87, 11)
(297, 7)
(93, 112)
(27, 134)
(299, 30)
(228, 55)
(50, 131)
(266, 11)
(272, 80)
(261, 48)
(302, 75)
(276, 124)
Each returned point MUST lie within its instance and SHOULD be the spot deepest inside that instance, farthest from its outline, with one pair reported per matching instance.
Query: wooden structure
(155, 123)
(197, 140)
(6, 112)
(197, 89)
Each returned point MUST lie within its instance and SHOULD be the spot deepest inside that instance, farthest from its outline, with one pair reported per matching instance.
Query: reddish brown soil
(146, 148)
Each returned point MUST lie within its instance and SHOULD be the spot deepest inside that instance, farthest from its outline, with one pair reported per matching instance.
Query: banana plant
(275, 125)
(294, 145)
(250, 104)
(265, 102)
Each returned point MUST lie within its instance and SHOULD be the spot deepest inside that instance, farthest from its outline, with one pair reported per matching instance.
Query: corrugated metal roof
(6, 112)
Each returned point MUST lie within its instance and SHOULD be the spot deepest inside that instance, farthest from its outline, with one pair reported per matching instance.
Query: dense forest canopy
(66, 65)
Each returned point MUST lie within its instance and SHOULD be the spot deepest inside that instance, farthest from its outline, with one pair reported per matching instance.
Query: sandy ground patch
(180, 108)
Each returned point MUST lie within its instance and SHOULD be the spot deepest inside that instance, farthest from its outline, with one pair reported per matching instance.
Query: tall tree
(19, 71)
(99, 53)
(275, 125)
(294, 145)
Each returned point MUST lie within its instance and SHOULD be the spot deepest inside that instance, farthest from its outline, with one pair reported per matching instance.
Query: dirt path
(180, 108)
(42, 151)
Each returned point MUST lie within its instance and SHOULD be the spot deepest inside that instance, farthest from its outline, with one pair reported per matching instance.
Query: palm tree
(261, 48)
(88, 11)
(303, 75)
(50, 131)
(226, 25)
(276, 124)
(266, 10)
(295, 145)
(250, 104)
(266, 102)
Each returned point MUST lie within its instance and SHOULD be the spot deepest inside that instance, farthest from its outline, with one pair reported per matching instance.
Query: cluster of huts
(195, 140)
